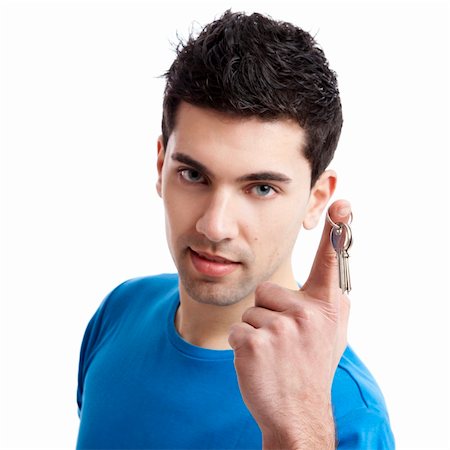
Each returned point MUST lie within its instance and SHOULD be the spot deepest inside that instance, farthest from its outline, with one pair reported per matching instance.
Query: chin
(216, 293)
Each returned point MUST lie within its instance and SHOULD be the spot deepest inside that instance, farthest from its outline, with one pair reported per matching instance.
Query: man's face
(235, 191)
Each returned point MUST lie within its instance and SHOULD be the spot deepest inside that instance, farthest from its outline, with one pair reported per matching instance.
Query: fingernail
(344, 211)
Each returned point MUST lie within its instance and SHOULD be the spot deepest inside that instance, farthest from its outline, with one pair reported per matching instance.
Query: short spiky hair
(252, 65)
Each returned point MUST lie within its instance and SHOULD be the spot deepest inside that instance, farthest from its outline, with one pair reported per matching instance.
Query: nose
(219, 219)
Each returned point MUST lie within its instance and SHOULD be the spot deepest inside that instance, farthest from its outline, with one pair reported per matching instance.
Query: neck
(206, 325)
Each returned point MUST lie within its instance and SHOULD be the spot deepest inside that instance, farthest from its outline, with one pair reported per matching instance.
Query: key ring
(335, 225)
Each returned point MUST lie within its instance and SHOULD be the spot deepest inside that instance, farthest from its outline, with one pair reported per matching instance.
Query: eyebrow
(254, 176)
(265, 176)
(186, 159)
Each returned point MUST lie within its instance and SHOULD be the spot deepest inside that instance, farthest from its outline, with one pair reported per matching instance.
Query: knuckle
(267, 290)
(303, 316)
(263, 289)
(253, 342)
(234, 334)
(247, 313)
(300, 313)
(329, 260)
(278, 325)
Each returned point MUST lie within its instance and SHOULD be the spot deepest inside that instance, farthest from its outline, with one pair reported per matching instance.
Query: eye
(263, 190)
(191, 176)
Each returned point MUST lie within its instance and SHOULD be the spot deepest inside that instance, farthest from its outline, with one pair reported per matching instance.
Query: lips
(213, 258)
(212, 265)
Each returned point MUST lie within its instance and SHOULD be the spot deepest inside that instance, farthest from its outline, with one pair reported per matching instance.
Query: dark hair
(252, 65)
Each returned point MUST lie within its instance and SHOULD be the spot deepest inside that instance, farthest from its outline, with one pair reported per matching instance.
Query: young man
(230, 353)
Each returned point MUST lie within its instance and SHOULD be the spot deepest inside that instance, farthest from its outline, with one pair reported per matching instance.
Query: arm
(287, 349)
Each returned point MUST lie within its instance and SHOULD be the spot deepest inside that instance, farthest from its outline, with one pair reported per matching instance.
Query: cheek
(276, 231)
(284, 218)
(179, 214)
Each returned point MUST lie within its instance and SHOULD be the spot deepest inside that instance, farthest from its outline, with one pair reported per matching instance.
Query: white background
(81, 104)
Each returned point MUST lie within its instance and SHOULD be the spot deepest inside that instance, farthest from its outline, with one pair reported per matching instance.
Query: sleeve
(365, 429)
(89, 343)
(97, 330)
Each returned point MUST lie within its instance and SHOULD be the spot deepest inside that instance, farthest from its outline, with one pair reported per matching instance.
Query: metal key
(341, 239)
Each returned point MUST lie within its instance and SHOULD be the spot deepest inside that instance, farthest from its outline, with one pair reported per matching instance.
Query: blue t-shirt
(141, 386)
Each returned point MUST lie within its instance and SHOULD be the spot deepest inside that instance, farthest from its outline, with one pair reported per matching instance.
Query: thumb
(323, 280)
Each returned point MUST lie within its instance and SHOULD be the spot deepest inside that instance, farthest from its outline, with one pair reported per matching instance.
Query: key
(341, 239)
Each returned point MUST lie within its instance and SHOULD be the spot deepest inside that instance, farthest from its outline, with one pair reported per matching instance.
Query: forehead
(238, 144)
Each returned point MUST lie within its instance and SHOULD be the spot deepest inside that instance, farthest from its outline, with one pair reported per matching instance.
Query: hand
(287, 349)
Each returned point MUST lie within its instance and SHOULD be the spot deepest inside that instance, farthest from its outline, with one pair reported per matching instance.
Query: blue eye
(263, 190)
(192, 176)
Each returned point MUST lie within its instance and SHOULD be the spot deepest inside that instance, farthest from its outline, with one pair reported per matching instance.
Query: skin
(237, 191)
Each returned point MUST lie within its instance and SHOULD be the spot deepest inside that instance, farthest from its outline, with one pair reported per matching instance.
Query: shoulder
(359, 407)
(132, 293)
(153, 284)
(120, 313)
(354, 386)
(124, 306)
(127, 302)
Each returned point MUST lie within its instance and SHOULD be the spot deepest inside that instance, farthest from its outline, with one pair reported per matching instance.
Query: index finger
(323, 280)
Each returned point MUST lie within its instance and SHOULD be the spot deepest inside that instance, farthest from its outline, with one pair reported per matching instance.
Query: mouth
(212, 265)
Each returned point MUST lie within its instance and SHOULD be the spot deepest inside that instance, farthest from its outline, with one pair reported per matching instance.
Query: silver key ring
(335, 225)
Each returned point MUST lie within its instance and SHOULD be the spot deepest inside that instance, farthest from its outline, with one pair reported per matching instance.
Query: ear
(160, 164)
(321, 193)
